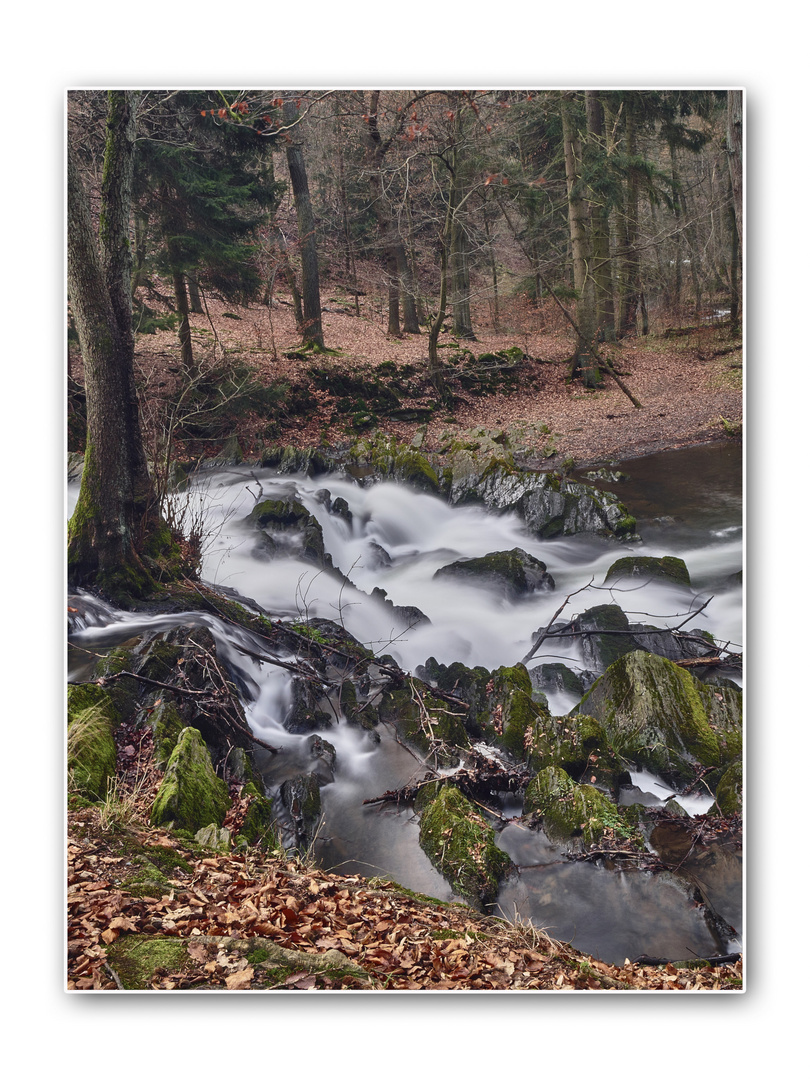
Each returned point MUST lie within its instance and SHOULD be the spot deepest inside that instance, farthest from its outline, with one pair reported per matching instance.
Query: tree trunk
(194, 296)
(600, 228)
(183, 311)
(630, 294)
(583, 360)
(459, 265)
(116, 520)
(310, 281)
(735, 155)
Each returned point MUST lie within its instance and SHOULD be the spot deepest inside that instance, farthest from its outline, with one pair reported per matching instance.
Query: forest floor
(689, 384)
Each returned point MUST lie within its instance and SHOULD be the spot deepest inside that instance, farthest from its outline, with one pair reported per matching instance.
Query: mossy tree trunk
(116, 520)
(310, 281)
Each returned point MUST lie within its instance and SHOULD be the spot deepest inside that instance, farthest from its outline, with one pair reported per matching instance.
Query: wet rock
(301, 797)
(658, 716)
(324, 757)
(514, 573)
(556, 677)
(289, 528)
(461, 845)
(644, 567)
(575, 814)
(307, 711)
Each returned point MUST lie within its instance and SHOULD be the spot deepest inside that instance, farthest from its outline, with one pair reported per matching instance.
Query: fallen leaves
(267, 924)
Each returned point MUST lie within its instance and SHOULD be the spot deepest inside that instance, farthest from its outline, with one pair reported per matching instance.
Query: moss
(461, 845)
(191, 795)
(137, 958)
(729, 790)
(90, 750)
(667, 568)
(167, 724)
(258, 826)
(572, 811)
(658, 716)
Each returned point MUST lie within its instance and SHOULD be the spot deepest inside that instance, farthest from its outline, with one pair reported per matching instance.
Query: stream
(687, 502)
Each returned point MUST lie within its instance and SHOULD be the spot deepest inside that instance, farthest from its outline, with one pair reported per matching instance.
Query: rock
(729, 790)
(306, 712)
(659, 717)
(191, 795)
(461, 845)
(214, 838)
(556, 677)
(514, 573)
(605, 635)
(290, 528)
(572, 813)
(645, 567)
(324, 757)
(301, 797)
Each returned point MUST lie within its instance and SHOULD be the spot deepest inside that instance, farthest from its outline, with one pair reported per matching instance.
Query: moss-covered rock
(422, 719)
(571, 811)
(396, 461)
(657, 716)
(167, 724)
(729, 795)
(512, 709)
(513, 573)
(258, 826)
(643, 567)
(289, 526)
(191, 795)
(461, 845)
(90, 741)
(605, 635)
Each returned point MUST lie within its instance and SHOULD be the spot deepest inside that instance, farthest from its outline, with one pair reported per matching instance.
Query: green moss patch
(191, 794)
(461, 845)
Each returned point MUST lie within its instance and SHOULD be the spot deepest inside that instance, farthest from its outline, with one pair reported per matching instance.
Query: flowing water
(688, 503)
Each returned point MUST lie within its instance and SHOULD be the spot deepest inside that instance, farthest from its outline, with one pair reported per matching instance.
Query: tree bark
(116, 520)
(581, 252)
(735, 155)
(312, 334)
(459, 264)
(600, 228)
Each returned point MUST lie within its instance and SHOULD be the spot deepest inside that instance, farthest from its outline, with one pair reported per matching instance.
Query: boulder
(645, 567)
(191, 795)
(572, 814)
(657, 716)
(514, 573)
(461, 845)
(301, 798)
(289, 528)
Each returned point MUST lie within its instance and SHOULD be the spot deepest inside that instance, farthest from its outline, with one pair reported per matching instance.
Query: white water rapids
(396, 541)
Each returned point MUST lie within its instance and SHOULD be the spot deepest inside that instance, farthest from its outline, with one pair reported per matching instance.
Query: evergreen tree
(204, 191)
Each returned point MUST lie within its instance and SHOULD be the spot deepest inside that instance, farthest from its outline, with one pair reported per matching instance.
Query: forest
(494, 299)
